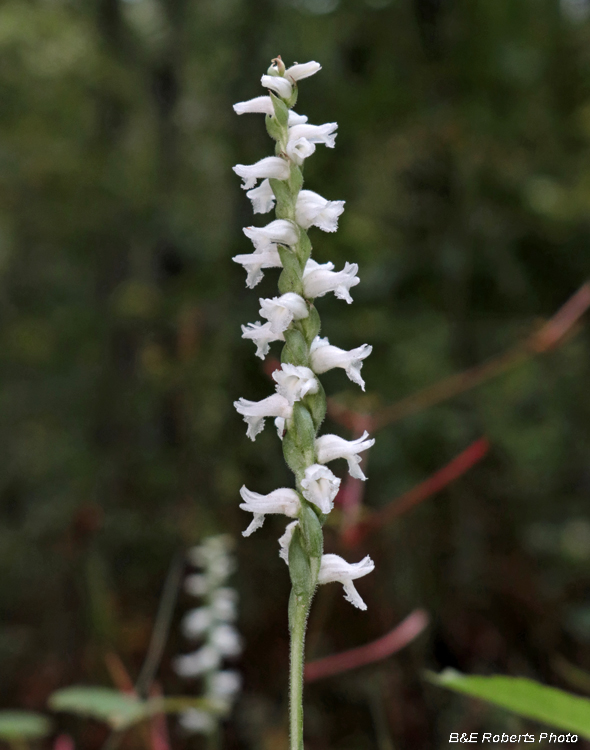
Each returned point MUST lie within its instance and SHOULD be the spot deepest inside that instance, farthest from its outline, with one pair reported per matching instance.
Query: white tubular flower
(196, 584)
(262, 197)
(319, 279)
(285, 541)
(284, 500)
(295, 382)
(278, 84)
(320, 487)
(196, 622)
(295, 119)
(324, 357)
(329, 447)
(253, 263)
(279, 231)
(280, 311)
(197, 721)
(270, 166)
(226, 639)
(263, 105)
(259, 105)
(262, 335)
(224, 604)
(225, 684)
(299, 149)
(335, 568)
(255, 412)
(313, 210)
(315, 133)
(302, 70)
(197, 663)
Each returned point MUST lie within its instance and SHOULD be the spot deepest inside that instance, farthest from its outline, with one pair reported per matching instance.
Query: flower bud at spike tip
(277, 66)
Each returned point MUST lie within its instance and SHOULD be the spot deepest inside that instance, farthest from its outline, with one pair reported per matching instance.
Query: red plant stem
(159, 737)
(440, 479)
(389, 644)
(553, 333)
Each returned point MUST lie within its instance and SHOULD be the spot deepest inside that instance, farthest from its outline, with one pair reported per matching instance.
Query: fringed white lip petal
(320, 279)
(330, 447)
(335, 568)
(255, 412)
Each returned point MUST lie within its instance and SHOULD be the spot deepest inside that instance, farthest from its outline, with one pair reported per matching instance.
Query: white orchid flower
(302, 70)
(295, 382)
(299, 149)
(319, 279)
(262, 335)
(329, 447)
(262, 197)
(335, 568)
(320, 487)
(204, 660)
(259, 105)
(313, 210)
(325, 357)
(226, 639)
(281, 86)
(254, 263)
(279, 231)
(280, 311)
(263, 105)
(315, 133)
(196, 622)
(255, 412)
(284, 500)
(224, 604)
(285, 541)
(270, 166)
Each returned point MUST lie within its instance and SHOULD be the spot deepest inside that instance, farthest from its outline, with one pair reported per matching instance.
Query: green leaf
(523, 697)
(282, 192)
(23, 725)
(290, 278)
(304, 248)
(295, 181)
(295, 350)
(119, 710)
(293, 456)
(311, 325)
(311, 531)
(299, 569)
(303, 430)
(273, 128)
(317, 405)
(281, 110)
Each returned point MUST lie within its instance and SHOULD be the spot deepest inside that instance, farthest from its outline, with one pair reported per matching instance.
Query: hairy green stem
(300, 611)
(306, 546)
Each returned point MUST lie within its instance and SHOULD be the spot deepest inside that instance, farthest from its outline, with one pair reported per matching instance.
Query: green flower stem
(306, 547)
(300, 610)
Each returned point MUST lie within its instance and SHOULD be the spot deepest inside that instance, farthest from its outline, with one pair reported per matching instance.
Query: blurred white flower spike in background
(212, 625)
(299, 401)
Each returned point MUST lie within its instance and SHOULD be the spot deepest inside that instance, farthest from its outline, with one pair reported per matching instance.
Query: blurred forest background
(463, 157)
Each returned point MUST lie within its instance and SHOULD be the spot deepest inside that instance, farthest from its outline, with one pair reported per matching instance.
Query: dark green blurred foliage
(463, 158)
